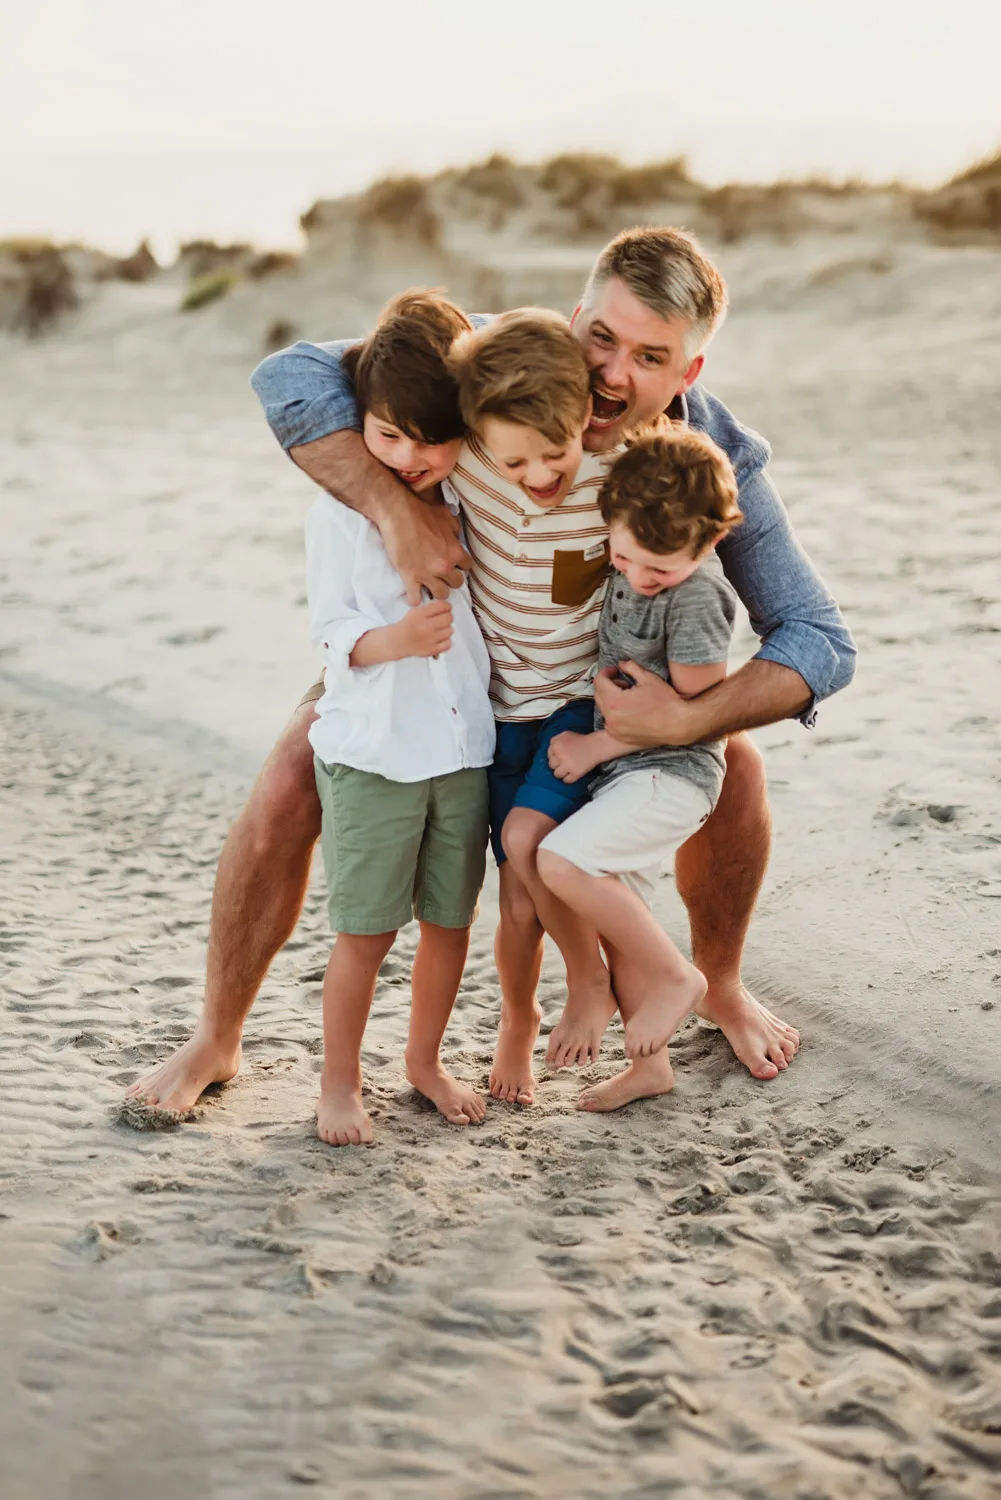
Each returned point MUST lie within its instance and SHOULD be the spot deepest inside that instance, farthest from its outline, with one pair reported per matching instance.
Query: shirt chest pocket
(576, 575)
(645, 650)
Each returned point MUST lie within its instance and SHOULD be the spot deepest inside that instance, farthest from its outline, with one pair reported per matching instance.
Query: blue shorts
(520, 775)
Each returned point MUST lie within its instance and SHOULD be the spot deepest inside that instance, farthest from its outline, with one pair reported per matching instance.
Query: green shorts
(397, 850)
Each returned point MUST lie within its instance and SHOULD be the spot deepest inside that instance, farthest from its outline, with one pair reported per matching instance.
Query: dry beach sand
(740, 1290)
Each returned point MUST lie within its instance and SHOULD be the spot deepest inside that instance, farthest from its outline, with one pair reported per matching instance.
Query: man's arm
(652, 713)
(791, 609)
(310, 406)
(422, 540)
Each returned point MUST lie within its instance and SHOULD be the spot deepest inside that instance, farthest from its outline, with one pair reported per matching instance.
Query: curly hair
(674, 489)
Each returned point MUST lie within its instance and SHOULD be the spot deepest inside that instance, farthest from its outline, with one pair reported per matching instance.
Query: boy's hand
(571, 755)
(426, 630)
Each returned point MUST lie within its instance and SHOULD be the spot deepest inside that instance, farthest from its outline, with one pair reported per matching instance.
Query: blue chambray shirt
(306, 395)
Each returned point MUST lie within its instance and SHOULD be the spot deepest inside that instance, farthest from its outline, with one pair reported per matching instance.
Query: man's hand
(571, 755)
(426, 630)
(651, 713)
(423, 545)
(422, 540)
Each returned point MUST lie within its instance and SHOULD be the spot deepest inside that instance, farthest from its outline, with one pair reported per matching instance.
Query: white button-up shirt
(406, 720)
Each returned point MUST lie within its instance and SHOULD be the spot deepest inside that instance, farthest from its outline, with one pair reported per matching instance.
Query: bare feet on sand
(511, 1077)
(765, 1044)
(575, 1040)
(341, 1118)
(179, 1083)
(657, 1019)
(643, 1079)
(458, 1102)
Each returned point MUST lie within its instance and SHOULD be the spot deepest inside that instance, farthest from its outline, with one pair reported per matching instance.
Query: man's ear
(692, 373)
(576, 314)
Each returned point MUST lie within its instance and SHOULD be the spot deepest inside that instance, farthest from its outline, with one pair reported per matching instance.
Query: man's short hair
(668, 272)
(401, 372)
(525, 366)
(674, 489)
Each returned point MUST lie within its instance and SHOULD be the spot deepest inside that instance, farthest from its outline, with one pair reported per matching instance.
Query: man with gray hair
(649, 308)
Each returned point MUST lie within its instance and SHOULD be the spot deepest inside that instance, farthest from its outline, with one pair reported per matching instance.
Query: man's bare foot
(179, 1083)
(458, 1102)
(643, 1079)
(341, 1118)
(511, 1077)
(575, 1040)
(765, 1044)
(658, 1018)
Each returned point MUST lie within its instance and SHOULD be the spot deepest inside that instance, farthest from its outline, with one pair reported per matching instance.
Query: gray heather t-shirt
(691, 623)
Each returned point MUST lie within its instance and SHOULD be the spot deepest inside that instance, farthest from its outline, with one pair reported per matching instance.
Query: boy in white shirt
(404, 732)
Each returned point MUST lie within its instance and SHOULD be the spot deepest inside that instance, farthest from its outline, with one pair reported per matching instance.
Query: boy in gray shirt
(669, 499)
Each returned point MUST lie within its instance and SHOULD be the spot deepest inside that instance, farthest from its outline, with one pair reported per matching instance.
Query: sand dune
(788, 1290)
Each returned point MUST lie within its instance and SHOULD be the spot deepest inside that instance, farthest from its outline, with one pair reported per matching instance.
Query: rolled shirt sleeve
(305, 392)
(336, 624)
(790, 607)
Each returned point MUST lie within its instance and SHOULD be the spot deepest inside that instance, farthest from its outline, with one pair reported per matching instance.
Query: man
(648, 310)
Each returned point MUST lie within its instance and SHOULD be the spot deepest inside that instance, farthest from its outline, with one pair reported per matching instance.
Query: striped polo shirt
(537, 582)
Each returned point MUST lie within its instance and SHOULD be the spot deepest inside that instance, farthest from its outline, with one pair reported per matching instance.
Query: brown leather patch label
(576, 575)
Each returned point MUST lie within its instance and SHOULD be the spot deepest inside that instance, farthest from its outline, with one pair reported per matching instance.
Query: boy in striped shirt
(539, 546)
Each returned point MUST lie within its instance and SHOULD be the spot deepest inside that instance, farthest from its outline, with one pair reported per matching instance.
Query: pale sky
(228, 117)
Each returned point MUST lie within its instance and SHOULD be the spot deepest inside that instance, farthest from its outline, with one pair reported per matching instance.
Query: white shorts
(630, 826)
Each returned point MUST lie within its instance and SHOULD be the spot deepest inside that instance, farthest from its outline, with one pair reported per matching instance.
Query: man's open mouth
(549, 493)
(606, 410)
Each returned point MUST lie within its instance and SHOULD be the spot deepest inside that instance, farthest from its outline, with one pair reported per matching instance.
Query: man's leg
(518, 952)
(576, 1040)
(259, 890)
(719, 871)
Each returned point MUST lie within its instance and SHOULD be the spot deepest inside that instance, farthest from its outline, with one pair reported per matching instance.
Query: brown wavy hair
(674, 489)
(525, 366)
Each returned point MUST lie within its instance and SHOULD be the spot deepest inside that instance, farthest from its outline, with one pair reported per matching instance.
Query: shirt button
(525, 521)
(453, 710)
(619, 594)
(615, 619)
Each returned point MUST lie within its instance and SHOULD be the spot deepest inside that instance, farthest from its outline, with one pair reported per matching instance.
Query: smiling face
(421, 466)
(637, 361)
(544, 470)
(649, 573)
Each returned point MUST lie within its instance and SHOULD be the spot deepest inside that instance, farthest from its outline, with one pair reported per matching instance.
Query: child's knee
(555, 872)
(453, 938)
(521, 836)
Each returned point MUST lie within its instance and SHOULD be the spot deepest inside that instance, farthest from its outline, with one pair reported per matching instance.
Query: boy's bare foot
(341, 1118)
(575, 1040)
(643, 1079)
(658, 1018)
(765, 1044)
(511, 1077)
(458, 1102)
(179, 1082)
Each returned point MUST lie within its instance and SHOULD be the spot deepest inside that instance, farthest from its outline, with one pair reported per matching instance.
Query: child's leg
(518, 954)
(655, 985)
(438, 965)
(348, 987)
(590, 1002)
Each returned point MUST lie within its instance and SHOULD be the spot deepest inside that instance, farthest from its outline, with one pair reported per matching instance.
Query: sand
(739, 1290)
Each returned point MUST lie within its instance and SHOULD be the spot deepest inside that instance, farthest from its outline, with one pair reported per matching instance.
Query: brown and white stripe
(542, 653)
